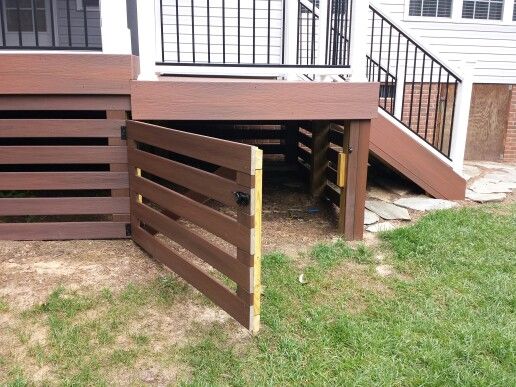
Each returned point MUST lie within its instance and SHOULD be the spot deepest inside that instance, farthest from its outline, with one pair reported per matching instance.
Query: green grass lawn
(445, 316)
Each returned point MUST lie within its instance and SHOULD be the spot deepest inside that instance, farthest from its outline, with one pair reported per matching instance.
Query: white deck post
(461, 119)
(359, 35)
(322, 34)
(116, 37)
(290, 49)
(147, 39)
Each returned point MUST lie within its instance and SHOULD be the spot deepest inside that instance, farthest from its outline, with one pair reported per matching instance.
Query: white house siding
(77, 25)
(187, 47)
(489, 46)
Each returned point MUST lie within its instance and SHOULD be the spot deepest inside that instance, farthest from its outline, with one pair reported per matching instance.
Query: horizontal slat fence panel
(63, 178)
(170, 195)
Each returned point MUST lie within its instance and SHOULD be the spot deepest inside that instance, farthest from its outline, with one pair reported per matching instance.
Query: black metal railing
(250, 33)
(50, 25)
(416, 88)
(338, 44)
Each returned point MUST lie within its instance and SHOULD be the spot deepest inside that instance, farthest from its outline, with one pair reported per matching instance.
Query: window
(91, 5)
(432, 8)
(483, 9)
(20, 15)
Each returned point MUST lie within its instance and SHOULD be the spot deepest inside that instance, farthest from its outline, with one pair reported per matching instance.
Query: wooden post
(353, 195)
(114, 141)
(251, 217)
(291, 142)
(319, 159)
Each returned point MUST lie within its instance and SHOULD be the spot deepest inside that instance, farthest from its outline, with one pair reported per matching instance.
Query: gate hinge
(128, 231)
(123, 132)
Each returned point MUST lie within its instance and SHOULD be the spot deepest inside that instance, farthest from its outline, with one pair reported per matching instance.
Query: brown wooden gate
(196, 208)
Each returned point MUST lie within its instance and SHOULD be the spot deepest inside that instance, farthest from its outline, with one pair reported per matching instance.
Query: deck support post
(113, 141)
(352, 201)
(319, 159)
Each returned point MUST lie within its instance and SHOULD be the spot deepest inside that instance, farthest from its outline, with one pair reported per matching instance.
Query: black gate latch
(242, 199)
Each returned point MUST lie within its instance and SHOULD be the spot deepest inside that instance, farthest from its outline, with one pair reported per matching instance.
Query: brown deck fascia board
(57, 73)
(173, 98)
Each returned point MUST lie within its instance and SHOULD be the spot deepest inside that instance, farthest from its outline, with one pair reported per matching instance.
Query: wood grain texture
(62, 180)
(64, 102)
(487, 123)
(407, 156)
(226, 99)
(62, 154)
(212, 288)
(224, 153)
(24, 128)
(63, 206)
(57, 73)
(62, 231)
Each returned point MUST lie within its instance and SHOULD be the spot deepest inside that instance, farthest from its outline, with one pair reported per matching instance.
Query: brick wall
(510, 138)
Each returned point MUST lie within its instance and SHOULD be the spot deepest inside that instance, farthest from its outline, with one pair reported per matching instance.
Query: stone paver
(370, 217)
(423, 203)
(470, 171)
(387, 211)
(485, 197)
(378, 227)
(484, 186)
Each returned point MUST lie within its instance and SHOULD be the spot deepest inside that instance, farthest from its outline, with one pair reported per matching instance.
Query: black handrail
(428, 88)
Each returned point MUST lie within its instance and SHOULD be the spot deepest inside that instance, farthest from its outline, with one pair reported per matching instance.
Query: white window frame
(504, 8)
(428, 18)
(456, 16)
(80, 6)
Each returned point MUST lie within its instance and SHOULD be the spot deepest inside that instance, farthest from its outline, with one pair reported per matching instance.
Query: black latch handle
(242, 199)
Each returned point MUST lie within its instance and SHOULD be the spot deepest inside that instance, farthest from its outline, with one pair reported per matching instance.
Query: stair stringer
(405, 153)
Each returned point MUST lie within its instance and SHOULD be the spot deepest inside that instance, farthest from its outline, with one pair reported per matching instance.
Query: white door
(28, 23)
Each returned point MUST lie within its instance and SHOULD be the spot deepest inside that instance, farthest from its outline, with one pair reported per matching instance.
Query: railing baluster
(193, 29)
(421, 86)
(268, 31)
(177, 32)
(34, 22)
(68, 20)
(346, 38)
(404, 83)
(313, 33)
(254, 31)
(161, 31)
(18, 14)
(413, 81)
(223, 31)
(85, 21)
(380, 49)
(208, 29)
(387, 72)
(238, 28)
(445, 113)
(437, 104)
(429, 98)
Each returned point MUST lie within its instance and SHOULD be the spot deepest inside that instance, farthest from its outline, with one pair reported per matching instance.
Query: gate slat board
(160, 206)
(56, 175)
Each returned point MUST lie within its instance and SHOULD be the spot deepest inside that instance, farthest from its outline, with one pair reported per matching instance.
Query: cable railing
(416, 88)
(50, 25)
